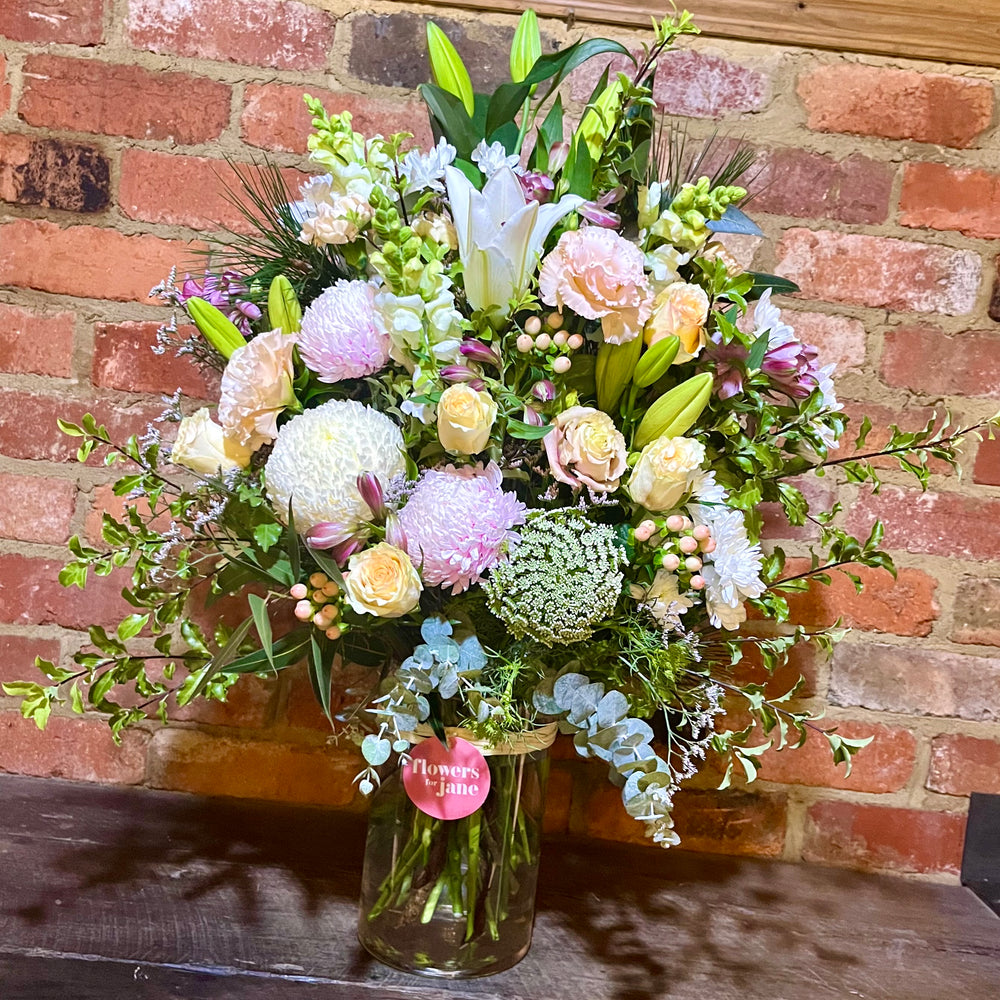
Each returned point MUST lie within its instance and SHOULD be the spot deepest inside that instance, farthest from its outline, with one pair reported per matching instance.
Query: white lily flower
(500, 236)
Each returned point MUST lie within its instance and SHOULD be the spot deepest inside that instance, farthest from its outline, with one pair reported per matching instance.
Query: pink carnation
(456, 523)
(338, 338)
(599, 275)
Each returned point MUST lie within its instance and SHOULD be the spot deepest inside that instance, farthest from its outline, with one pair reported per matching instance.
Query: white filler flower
(317, 459)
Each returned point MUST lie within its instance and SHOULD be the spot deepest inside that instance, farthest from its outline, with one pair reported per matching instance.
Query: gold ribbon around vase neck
(516, 744)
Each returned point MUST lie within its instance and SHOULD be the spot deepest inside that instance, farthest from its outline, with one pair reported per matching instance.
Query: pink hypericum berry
(543, 342)
(562, 365)
(303, 611)
(333, 633)
(692, 563)
(645, 530)
(708, 546)
(670, 562)
(299, 591)
(554, 321)
(533, 326)
(560, 338)
(688, 544)
(575, 341)
(525, 342)
(330, 589)
(697, 583)
(701, 532)
(675, 522)
(318, 579)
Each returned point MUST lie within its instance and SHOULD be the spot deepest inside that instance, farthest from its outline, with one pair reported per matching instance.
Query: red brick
(52, 173)
(4, 85)
(30, 594)
(802, 662)
(897, 104)
(715, 822)
(350, 685)
(841, 340)
(942, 524)
(936, 196)
(916, 681)
(987, 467)
(820, 496)
(36, 343)
(977, 611)
(75, 749)
(993, 309)
(28, 427)
(17, 656)
(36, 508)
(91, 96)
(275, 116)
(124, 359)
(880, 272)
(76, 22)
(963, 764)
(283, 34)
(811, 185)
(905, 605)
(190, 761)
(690, 83)
(970, 361)
(86, 261)
(247, 706)
(105, 501)
(908, 418)
(187, 190)
(876, 837)
(885, 765)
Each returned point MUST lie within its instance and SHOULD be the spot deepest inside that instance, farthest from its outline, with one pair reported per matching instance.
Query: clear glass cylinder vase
(455, 898)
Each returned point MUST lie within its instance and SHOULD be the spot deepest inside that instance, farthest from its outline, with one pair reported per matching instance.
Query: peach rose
(382, 581)
(599, 275)
(256, 387)
(585, 448)
(680, 310)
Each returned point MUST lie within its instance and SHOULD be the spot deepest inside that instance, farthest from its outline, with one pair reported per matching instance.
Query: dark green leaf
(452, 117)
(258, 609)
(320, 667)
(526, 432)
(778, 286)
(218, 662)
(756, 356)
(558, 64)
(504, 105)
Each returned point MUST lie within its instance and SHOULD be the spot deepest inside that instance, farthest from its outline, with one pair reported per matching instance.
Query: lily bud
(558, 155)
(476, 350)
(371, 492)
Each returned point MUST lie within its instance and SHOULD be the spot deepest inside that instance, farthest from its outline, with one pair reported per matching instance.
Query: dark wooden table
(111, 893)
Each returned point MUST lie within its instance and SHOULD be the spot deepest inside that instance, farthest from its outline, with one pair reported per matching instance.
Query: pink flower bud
(458, 373)
(598, 216)
(558, 155)
(371, 492)
(394, 532)
(476, 350)
(544, 391)
(324, 535)
(478, 384)
(532, 417)
(536, 186)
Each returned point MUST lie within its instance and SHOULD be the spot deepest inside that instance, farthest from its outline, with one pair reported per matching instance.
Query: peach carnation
(256, 387)
(599, 275)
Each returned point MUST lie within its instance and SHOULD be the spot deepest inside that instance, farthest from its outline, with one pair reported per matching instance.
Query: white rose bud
(465, 418)
(661, 476)
(382, 581)
(202, 447)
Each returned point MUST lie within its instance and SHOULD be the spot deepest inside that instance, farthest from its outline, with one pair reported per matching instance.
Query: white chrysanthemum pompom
(338, 339)
(317, 459)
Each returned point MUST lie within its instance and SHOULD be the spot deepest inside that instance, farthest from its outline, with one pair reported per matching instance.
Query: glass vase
(455, 898)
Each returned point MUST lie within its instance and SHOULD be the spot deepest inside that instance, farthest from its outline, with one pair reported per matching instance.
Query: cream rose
(680, 310)
(202, 447)
(382, 581)
(663, 473)
(585, 448)
(465, 418)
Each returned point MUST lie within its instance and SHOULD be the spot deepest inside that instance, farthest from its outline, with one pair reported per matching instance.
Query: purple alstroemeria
(395, 533)
(324, 535)
(792, 368)
(371, 492)
(537, 186)
(730, 363)
(227, 292)
(532, 417)
(343, 551)
(597, 213)
(458, 373)
(483, 354)
(544, 391)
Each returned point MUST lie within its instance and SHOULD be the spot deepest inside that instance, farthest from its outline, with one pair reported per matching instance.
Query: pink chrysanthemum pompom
(456, 523)
(338, 338)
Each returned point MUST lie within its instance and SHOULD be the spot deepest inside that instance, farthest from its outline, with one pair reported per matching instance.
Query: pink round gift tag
(446, 784)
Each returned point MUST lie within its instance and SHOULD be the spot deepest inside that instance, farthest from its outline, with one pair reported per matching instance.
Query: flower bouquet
(496, 420)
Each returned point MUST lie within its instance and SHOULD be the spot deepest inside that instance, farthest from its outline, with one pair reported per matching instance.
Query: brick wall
(879, 196)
